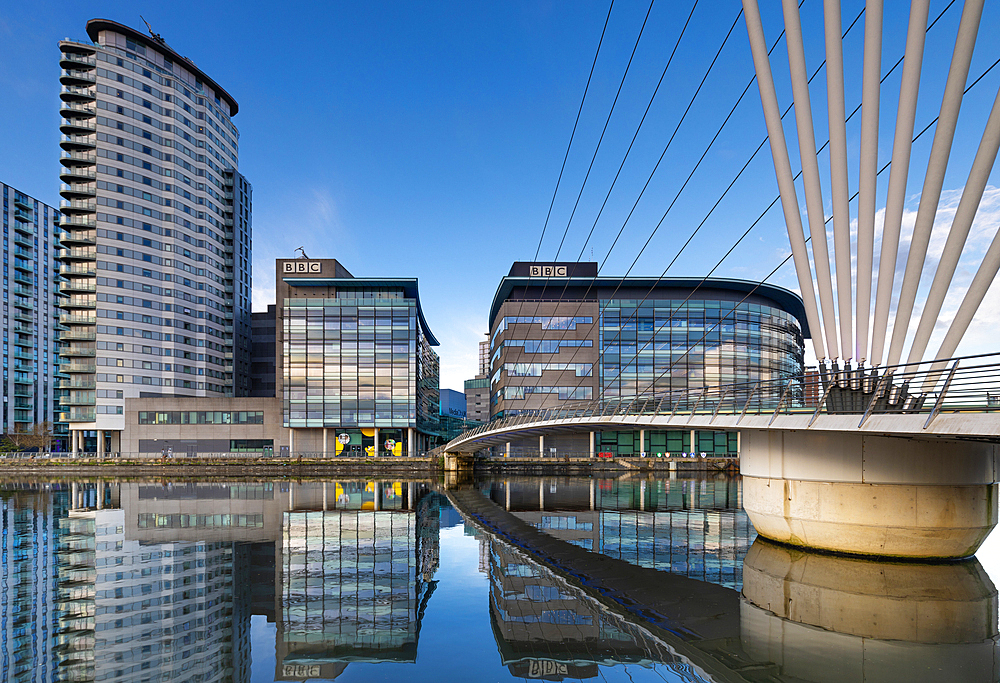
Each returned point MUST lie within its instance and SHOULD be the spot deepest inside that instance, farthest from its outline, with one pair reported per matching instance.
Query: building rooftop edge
(786, 298)
(410, 288)
(95, 26)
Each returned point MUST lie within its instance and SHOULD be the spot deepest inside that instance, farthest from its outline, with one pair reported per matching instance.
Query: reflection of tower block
(429, 535)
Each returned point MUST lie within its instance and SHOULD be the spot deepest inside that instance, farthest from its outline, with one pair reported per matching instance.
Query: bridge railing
(967, 384)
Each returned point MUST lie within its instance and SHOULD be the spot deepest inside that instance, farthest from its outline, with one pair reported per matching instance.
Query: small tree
(24, 438)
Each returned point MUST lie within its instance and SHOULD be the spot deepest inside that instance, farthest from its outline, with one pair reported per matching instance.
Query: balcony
(22, 202)
(78, 415)
(79, 398)
(78, 334)
(77, 126)
(23, 215)
(78, 157)
(77, 383)
(24, 228)
(76, 93)
(78, 319)
(22, 278)
(77, 142)
(24, 392)
(79, 302)
(78, 238)
(78, 368)
(24, 241)
(77, 352)
(71, 60)
(70, 191)
(24, 329)
(21, 290)
(23, 302)
(78, 270)
(72, 173)
(24, 317)
(80, 285)
(26, 342)
(77, 255)
(24, 366)
(77, 77)
(24, 355)
(70, 222)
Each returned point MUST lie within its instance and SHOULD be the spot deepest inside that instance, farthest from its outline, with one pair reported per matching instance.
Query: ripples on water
(549, 578)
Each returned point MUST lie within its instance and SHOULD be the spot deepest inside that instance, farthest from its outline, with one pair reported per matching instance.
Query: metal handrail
(966, 388)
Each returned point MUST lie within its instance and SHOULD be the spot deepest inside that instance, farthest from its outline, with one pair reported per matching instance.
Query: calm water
(547, 578)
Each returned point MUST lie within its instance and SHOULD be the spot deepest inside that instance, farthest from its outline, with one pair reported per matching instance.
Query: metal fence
(967, 384)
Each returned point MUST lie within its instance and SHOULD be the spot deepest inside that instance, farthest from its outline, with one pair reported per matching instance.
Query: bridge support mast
(870, 495)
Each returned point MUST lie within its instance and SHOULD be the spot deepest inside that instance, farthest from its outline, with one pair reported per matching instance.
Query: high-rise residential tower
(30, 319)
(157, 251)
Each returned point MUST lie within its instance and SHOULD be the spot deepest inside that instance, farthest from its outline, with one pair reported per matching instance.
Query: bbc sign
(302, 267)
(548, 271)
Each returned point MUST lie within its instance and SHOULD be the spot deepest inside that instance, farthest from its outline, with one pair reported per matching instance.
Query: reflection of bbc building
(355, 368)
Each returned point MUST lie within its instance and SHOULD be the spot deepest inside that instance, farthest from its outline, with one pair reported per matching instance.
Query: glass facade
(621, 339)
(357, 362)
(656, 346)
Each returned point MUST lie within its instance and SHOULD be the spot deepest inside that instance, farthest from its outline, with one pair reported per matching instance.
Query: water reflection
(622, 579)
(824, 618)
(693, 527)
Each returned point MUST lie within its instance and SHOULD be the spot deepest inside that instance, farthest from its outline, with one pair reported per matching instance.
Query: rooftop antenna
(303, 252)
(156, 36)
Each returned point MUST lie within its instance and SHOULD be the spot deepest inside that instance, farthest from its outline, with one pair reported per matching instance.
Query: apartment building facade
(31, 287)
(157, 217)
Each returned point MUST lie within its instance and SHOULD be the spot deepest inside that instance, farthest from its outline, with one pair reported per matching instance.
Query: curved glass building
(559, 333)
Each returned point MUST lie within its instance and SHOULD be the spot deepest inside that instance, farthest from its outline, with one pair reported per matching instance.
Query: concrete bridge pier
(870, 495)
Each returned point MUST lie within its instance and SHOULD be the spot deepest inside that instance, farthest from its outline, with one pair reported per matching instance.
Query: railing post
(874, 399)
(719, 405)
(821, 403)
(746, 406)
(940, 400)
(780, 401)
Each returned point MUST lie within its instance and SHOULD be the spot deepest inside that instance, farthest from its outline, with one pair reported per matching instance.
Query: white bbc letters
(548, 271)
(302, 267)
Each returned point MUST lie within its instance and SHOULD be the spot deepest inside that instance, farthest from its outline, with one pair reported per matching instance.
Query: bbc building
(560, 334)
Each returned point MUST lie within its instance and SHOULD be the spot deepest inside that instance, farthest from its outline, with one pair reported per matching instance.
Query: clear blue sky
(424, 139)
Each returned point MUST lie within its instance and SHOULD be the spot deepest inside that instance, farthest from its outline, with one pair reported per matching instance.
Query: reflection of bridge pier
(824, 618)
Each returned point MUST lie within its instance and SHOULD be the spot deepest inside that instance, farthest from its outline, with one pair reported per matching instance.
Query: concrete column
(116, 442)
(410, 441)
(506, 452)
(378, 446)
(325, 441)
(739, 446)
(73, 441)
(100, 442)
(694, 442)
(541, 446)
(291, 443)
(642, 440)
(870, 495)
(593, 451)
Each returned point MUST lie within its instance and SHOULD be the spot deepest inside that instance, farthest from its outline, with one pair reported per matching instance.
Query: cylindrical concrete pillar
(642, 441)
(410, 441)
(378, 447)
(291, 442)
(593, 452)
(870, 495)
(541, 445)
(100, 443)
(325, 441)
